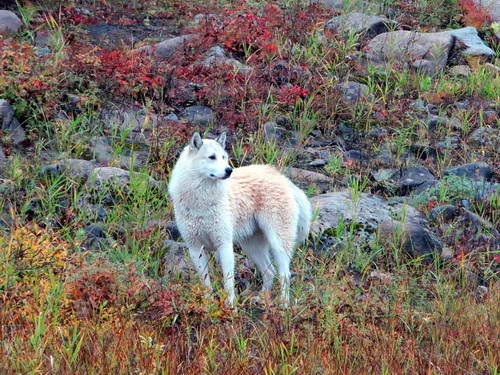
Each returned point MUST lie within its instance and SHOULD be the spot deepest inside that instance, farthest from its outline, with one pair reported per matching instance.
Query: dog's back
(260, 195)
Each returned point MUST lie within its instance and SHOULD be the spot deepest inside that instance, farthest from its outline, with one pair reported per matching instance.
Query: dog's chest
(203, 223)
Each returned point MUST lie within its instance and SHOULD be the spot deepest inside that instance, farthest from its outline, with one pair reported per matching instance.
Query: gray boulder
(74, 168)
(306, 179)
(359, 23)
(198, 115)
(469, 38)
(367, 210)
(168, 47)
(353, 92)
(216, 56)
(479, 171)
(414, 239)
(9, 124)
(427, 52)
(9, 22)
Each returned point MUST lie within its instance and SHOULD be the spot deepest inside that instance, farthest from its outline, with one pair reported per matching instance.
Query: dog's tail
(305, 214)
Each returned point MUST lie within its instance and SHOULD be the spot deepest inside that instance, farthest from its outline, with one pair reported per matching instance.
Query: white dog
(254, 206)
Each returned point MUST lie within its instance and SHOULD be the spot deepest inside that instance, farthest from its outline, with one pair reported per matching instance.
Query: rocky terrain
(385, 112)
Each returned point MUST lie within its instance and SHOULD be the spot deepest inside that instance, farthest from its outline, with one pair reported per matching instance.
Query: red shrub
(474, 14)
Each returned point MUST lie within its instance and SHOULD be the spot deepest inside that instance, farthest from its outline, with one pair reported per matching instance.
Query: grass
(74, 302)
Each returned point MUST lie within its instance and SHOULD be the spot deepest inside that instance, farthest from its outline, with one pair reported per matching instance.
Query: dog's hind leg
(256, 248)
(200, 261)
(282, 259)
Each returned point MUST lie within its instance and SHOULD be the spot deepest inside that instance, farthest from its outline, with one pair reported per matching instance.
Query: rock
(9, 123)
(6, 113)
(277, 134)
(305, 179)
(449, 143)
(74, 168)
(9, 22)
(316, 163)
(171, 117)
(168, 47)
(15, 132)
(427, 52)
(414, 239)
(364, 24)
(330, 4)
(116, 178)
(414, 177)
(492, 69)
(201, 17)
(474, 46)
(3, 158)
(198, 115)
(137, 123)
(352, 92)
(480, 233)
(447, 253)
(444, 213)
(484, 191)
(475, 171)
(385, 278)
(216, 56)
(175, 260)
(355, 156)
(460, 71)
(101, 150)
(487, 137)
(367, 210)
(95, 238)
(384, 174)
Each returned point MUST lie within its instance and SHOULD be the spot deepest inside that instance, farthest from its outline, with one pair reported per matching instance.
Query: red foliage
(74, 16)
(474, 14)
(290, 95)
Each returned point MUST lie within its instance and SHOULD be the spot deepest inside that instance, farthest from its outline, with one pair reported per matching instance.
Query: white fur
(256, 207)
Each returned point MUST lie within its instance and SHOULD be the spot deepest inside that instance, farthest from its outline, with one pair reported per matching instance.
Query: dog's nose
(229, 171)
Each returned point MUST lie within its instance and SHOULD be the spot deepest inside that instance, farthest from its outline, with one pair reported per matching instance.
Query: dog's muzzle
(228, 172)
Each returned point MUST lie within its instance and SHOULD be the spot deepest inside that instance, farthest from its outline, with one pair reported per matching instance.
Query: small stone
(385, 278)
(444, 213)
(449, 143)
(488, 137)
(317, 163)
(460, 71)
(447, 254)
(352, 92)
(415, 239)
(355, 156)
(384, 174)
(492, 69)
(171, 117)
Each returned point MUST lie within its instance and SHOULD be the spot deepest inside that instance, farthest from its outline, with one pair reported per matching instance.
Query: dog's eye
(212, 157)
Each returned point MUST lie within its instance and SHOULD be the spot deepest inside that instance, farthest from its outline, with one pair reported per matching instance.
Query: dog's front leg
(226, 259)
(200, 261)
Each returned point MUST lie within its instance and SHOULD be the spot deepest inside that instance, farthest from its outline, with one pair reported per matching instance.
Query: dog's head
(209, 157)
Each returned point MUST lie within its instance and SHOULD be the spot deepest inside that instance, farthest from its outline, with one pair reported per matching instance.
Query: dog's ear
(222, 139)
(196, 141)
